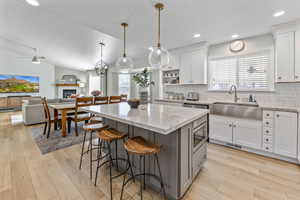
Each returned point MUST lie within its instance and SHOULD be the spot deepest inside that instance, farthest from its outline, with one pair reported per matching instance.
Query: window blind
(248, 72)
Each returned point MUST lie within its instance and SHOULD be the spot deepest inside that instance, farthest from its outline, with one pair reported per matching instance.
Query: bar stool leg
(141, 184)
(116, 153)
(99, 158)
(144, 168)
(160, 176)
(91, 155)
(110, 172)
(82, 149)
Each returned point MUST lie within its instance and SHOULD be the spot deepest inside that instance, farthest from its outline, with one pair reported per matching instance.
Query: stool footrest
(143, 174)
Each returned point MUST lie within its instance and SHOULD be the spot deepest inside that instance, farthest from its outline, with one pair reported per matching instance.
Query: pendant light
(101, 66)
(158, 54)
(124, 63)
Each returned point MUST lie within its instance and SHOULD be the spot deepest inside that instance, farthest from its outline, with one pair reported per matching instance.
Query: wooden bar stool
(99, 101)
(90, 128)
(109, 136)
(141, 147)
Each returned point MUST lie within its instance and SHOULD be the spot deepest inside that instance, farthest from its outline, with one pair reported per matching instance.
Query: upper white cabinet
(193, 67)
(174, 62)
(286, 134)
(285, 57)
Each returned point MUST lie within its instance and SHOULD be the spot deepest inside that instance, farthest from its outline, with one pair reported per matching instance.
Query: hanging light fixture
(158, 53)
(101, 66)
(124, 63)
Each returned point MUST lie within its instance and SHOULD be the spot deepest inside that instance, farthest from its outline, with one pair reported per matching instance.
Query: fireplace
(68, 92)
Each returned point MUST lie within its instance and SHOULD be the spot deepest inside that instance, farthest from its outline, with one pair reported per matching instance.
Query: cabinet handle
(267, 148)
(296, 77)
(268, 115)
(278, 115)
(230, 125)
(279, 77)
(234, 126)
(267, 140)
(267, 131)
(267, 123)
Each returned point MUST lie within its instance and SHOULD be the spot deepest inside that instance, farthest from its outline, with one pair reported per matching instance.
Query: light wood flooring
(25, 174)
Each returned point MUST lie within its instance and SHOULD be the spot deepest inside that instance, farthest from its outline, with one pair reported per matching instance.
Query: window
(250, 72)
(94, 83)
(124, 84)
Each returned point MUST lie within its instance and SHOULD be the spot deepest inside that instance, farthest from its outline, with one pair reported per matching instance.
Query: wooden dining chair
(115, 99)
(48, 119)
(79, 117)
(124, 97)
(100, 100)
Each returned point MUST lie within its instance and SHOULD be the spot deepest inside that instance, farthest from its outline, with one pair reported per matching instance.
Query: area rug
(56, 141)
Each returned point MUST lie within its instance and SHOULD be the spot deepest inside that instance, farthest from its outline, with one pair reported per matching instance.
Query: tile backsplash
(285, 94)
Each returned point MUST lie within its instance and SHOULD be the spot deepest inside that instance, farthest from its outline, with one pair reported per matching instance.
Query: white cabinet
(193, 67)
(285, 57)
(286, 134)
(174, 61)
(247, 133)
(220, 128)
(297, 55)
(241, 132)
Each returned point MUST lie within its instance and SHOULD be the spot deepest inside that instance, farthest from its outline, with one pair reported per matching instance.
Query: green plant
(142, 79)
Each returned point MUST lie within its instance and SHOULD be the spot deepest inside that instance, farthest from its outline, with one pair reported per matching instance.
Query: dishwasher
(200, 106)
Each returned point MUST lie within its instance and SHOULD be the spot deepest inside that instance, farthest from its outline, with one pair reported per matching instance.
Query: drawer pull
(268, 115)
(267, 140)
(230, 125)
(278, 115)
(267, 123)
(267, 148)
(267, 131)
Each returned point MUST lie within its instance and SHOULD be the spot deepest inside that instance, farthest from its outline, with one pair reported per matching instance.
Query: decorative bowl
(133, 103)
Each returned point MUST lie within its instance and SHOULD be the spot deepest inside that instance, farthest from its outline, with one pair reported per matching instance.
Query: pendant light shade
(101, 66)
(124, 63)
(158, 56)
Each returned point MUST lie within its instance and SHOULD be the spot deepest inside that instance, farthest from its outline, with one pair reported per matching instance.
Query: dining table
(63, 108)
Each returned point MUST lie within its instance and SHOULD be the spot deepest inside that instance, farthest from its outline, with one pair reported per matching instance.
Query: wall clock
(237, 46)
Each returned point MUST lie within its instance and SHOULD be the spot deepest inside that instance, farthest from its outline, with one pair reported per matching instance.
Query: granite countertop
(266, 106)
(162, 119)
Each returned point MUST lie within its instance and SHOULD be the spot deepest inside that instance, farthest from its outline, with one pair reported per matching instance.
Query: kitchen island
(182, 132)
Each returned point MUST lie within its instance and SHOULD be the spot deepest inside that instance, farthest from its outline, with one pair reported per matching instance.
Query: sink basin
(238, 110)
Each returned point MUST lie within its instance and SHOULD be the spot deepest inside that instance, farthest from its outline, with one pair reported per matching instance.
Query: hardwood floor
(25, 174)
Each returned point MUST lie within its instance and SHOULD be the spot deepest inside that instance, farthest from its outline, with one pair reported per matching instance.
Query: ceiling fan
(36, 59)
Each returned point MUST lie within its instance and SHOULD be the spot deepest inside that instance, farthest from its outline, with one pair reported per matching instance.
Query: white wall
(12, 64)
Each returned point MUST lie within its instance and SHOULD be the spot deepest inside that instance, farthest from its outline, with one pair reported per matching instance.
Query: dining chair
(79, 117)
(48, 119)
(100, 100)
(124, 97)
(115, 99)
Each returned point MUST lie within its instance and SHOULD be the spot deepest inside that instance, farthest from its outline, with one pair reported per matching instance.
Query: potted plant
(142, 79)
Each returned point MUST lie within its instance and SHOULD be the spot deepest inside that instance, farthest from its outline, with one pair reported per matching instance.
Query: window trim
(270, 71)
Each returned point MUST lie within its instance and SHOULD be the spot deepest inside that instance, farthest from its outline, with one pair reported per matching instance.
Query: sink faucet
(233, 87)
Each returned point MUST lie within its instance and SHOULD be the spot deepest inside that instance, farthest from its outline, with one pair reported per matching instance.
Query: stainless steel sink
(238, 110)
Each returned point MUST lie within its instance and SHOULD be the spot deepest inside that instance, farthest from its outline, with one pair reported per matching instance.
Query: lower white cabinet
(286, 134)
(247, 133)
(220, 128)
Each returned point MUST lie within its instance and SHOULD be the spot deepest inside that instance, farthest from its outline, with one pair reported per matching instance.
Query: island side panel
(168, 157)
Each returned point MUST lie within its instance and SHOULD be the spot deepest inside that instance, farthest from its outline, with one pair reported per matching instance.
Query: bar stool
(141, 147)
(109, 136)
(90, 128)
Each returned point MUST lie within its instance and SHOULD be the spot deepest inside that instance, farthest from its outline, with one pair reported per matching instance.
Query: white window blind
(124, 84)
(247, 72)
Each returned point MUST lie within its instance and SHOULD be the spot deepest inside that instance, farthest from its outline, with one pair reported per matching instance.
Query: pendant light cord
(124, 54)
(158, 44)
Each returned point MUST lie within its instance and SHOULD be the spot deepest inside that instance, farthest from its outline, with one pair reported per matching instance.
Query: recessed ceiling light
(234, 36)
(197, 35)
(33, 2)
(279, 13)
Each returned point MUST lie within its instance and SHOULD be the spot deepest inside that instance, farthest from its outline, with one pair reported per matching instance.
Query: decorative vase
(144, 96)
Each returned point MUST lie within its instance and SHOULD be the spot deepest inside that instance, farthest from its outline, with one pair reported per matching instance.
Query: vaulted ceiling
(67, 31)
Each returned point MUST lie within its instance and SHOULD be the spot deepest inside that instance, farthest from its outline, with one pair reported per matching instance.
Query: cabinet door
(248, 133)
(186, 174)
(285, 61)
(199, 67)
(297, 55)
(286, 134)
(185, 72)
(220, 129)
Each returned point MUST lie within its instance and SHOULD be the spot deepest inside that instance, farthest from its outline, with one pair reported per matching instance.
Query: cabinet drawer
(267, 131)
(198, 159)
(268, 122)
(268, 147)
(267, 139)
(268, 114)
(198, 122)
